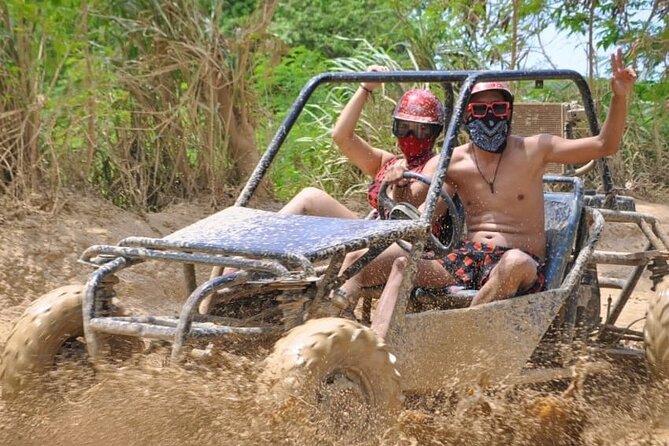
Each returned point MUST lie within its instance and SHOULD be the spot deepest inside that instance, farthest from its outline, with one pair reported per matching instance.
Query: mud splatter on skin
(143, 403)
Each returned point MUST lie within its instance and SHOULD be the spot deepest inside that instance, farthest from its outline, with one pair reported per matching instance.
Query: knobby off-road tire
(656, 334)
(340, 367)
(42, 333)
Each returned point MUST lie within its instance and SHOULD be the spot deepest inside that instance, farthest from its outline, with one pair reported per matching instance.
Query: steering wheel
(389, 209)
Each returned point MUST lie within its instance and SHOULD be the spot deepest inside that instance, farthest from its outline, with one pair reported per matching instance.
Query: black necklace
(494, 177)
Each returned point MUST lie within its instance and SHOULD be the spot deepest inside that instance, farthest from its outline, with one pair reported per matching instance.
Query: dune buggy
(283, 268)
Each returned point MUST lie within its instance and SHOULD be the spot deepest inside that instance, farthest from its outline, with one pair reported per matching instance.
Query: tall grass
(146, 101)
(142, 101)
(644, 155)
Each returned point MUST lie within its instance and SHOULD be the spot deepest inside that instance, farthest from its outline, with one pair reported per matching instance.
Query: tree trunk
(591, 44)
(514, 35)
(91, 144)
(239, 132)
(28, 165)
(231, 93)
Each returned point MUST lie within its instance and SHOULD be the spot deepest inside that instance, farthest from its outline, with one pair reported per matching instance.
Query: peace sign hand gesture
(623, 77)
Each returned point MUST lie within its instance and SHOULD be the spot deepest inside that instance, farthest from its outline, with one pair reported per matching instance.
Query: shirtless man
(498, 177)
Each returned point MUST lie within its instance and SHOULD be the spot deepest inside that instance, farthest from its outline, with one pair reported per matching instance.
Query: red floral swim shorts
(470, 263)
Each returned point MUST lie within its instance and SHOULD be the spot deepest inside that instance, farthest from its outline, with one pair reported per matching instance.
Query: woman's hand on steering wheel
(387, 205)
(395, 174)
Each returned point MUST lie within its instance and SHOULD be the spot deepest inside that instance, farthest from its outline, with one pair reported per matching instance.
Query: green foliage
(120, 96)
(128, 94)
(465, 34)
(317, 24)
(279, 84)
(645, 151)
(640, 25)
(237, 13)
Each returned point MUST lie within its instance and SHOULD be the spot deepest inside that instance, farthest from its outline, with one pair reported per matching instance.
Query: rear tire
(51, 327)
(656, 335)
(340, 367)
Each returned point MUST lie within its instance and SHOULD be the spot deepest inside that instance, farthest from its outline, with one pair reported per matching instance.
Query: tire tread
(37, 336)
(302, 357)
(656, 335)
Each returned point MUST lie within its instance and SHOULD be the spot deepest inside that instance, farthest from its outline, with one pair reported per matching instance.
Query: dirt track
(153, 406)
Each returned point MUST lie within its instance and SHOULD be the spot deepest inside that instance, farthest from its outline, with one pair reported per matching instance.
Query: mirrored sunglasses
(480, 109)
(419, 130)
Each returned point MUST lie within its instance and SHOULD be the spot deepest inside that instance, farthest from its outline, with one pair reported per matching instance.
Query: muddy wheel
(341, 368)
(656, 334)
(50, 333)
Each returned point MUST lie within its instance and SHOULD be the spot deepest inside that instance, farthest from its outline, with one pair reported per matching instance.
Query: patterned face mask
(415, 150)
(490, 132)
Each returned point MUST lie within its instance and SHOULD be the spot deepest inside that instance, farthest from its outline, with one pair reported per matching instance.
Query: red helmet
(495, 85)
(419, 106)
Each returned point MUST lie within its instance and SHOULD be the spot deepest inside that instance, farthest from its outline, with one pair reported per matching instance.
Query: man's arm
(572, 151)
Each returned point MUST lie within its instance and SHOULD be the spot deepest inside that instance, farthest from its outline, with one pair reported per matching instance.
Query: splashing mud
(221, 405)
(221, 402)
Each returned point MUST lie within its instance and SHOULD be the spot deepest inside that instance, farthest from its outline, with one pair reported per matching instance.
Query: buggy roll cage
(466, 79)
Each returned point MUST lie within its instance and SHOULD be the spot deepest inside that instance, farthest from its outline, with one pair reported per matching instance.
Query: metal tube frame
(467, 79)
(656, 247)
(135, 249)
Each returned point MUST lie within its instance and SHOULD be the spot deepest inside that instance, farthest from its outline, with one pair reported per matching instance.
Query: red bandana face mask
(415, 150)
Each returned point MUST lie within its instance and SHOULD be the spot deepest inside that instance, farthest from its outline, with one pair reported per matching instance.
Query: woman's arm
(357, 150)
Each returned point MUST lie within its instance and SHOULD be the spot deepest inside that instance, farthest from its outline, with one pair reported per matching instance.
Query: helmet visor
(420, 130)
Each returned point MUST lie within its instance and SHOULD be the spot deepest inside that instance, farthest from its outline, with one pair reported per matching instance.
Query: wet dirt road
(143, 403)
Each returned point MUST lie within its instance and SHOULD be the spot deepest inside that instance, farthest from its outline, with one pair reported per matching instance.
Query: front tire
(50, 328)
(656, 335)
(342, 368)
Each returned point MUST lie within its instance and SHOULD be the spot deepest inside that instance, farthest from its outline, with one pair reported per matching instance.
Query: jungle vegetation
(147, 101)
